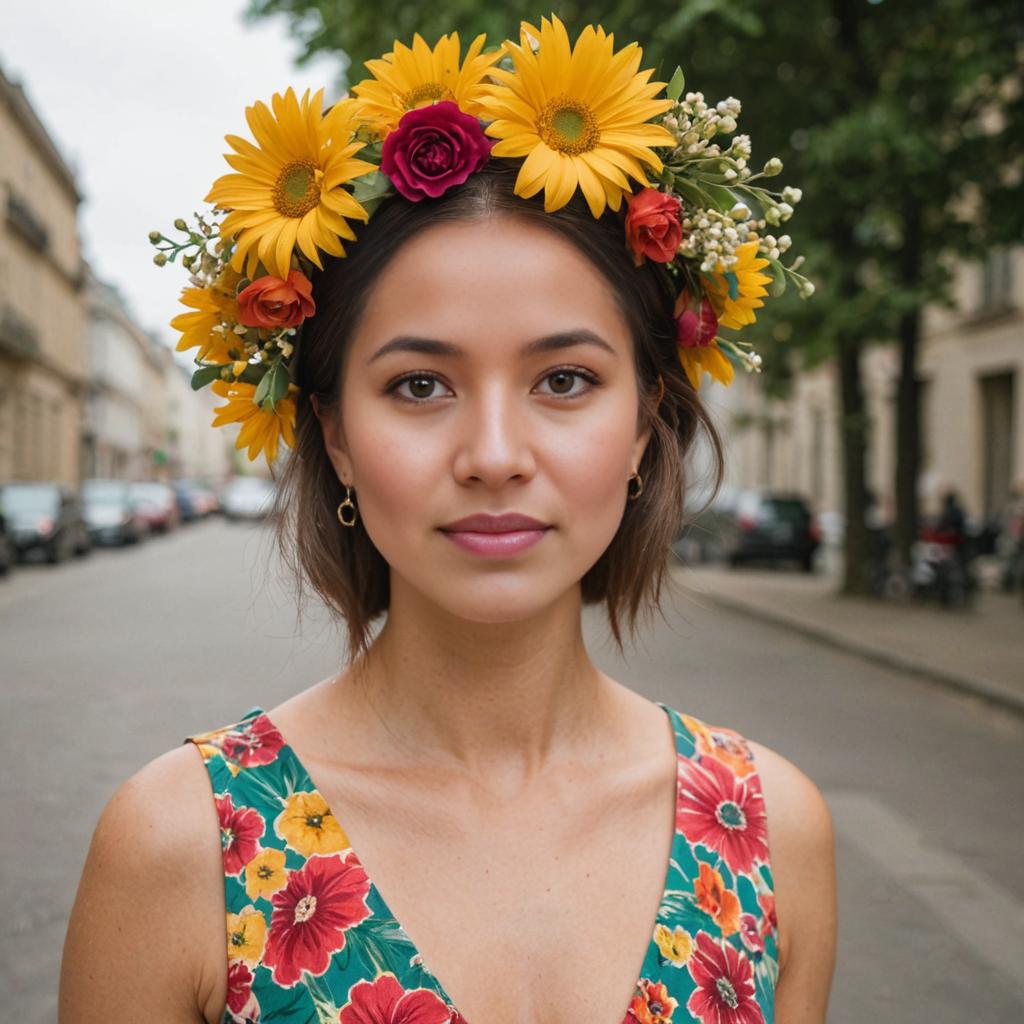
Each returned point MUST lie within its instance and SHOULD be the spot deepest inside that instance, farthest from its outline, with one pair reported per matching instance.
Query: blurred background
(852, 597)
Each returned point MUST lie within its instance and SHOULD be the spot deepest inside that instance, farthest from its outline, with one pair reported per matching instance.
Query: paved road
(107, 662)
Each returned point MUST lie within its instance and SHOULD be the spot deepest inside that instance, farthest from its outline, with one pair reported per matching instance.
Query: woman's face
(492, 372)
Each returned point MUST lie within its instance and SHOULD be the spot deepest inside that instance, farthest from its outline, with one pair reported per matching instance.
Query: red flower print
(311, 914)
(242, 1003)
(723, 812)
(384, 1001)
(651, 1005)
(750, 933)
(257, 743)
(725, 984)
(240, 833)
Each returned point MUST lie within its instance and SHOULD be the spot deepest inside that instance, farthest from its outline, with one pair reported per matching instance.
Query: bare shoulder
(801, 846)
(146, 933)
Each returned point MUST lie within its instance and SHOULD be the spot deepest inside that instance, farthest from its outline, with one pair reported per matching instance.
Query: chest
(536, 908)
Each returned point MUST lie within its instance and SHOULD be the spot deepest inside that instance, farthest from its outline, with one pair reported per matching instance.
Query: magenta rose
(432, 149)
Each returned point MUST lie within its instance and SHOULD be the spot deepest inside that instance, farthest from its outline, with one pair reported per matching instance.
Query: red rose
(693, 329)
(432, 149)
(653, 225)
(271, 302)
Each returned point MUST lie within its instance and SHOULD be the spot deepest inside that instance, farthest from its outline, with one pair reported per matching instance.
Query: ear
(329, 417)
(640, 446)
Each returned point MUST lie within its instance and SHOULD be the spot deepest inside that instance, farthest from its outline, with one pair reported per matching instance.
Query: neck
(492, 699)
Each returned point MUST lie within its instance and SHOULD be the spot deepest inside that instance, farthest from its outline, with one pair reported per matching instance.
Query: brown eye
(562, 381)
(421, 387)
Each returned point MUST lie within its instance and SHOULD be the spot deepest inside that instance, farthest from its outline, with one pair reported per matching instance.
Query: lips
(510, 522)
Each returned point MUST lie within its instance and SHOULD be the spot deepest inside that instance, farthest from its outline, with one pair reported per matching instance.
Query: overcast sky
(138, 96)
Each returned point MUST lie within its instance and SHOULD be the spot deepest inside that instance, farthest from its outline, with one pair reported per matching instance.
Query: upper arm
(802, 851)
(147, 924)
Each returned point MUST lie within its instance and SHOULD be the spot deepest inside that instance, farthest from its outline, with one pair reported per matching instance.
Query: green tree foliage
(902, 122)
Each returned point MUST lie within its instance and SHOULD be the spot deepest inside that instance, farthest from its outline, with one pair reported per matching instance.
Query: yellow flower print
(675, 946)
(247, 932)
(265, 874)
(307, 825)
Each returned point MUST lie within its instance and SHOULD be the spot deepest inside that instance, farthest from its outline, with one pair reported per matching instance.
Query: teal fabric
(310, 939)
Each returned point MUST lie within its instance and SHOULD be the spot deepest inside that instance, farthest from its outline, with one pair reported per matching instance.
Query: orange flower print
(651, 1005)
(725, 744)
(247, 933)
(265, 874)
(674, 946)
(714, 899)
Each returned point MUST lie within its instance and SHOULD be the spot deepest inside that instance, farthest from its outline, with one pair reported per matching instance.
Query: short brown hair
(342, 564)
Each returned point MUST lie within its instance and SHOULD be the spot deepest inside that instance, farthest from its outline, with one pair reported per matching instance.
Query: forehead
(489, 282)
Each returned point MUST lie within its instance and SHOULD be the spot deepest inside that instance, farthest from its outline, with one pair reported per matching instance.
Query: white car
(247, 497)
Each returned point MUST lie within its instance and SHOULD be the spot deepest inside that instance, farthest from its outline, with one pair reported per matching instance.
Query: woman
(491, 428)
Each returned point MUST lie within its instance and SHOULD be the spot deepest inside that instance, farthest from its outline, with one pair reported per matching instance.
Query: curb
(987, 689)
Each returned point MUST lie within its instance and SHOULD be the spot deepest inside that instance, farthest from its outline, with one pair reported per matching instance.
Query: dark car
(6, 547)
(110, 514)
(195, 499)
(156, 503)
(44, 518)
(771, 526)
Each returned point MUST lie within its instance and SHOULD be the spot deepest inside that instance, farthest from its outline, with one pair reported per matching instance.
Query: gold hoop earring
(346, 517)
(639, 487)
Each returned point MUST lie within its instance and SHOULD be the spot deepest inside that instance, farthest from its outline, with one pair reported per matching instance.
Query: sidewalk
(980, 651)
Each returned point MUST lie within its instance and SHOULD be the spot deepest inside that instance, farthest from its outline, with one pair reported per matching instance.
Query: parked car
(705, 525)
(44, 518)
(6, 547)
(772, 526)
(247, 497)
(110, 513)
(195, 499)
(156, 503)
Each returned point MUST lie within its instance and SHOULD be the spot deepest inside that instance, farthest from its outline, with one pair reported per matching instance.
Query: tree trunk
(853, 429)
(908, 405)
(908, 436)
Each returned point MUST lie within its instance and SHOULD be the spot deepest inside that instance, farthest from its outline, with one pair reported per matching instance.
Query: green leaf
(371, 189)
(675, 86)
(778, 285)
(273, 387)
(205, 375)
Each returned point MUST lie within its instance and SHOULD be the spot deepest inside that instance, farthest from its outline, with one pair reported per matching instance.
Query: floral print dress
(310, 939)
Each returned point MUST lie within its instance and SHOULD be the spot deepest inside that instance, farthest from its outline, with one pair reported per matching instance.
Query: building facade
(971, 376)
(43, 365)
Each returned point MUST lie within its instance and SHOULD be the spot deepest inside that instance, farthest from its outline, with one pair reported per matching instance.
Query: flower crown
(579, 116)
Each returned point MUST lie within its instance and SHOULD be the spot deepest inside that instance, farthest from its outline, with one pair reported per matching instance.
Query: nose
(495, 439)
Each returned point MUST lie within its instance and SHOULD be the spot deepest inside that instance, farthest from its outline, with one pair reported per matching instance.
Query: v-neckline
(645, 967)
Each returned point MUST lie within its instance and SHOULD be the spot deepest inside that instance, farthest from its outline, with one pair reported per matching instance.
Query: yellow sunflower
(211, 307)
(261, 429)
(289, 189)
(408, 78)
(710, 358)
(578, 114)
(736, 293)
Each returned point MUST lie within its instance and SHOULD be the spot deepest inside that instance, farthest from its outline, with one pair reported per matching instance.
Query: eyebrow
(548, 343)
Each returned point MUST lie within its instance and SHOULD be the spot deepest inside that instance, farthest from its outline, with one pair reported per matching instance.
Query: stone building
(42, 306)
(125, 424)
